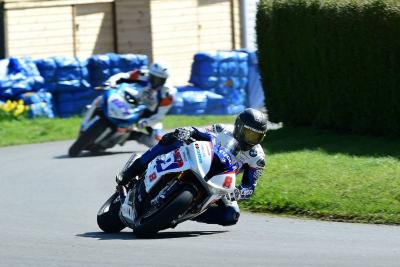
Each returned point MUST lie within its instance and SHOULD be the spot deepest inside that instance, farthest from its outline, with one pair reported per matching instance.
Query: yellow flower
(8, 106)
(17, 113)
(14, 104)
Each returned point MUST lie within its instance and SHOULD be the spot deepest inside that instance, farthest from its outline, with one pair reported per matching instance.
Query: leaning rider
(249, 130)
(157, 96)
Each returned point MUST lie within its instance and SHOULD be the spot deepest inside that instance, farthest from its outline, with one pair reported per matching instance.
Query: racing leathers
(225, 211)
(157, 101)
(251, 162)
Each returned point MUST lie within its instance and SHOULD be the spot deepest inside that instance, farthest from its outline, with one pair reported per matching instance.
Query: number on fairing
(174, 161)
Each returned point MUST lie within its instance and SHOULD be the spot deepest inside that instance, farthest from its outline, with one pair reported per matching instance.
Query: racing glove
(143, 123)
(183, 134)
(245, 192)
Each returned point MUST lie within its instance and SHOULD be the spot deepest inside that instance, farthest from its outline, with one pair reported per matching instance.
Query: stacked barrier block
(40, 104)
(18, 76)
(219, 81)
(191, 100)
(72, 80)
(101, 67)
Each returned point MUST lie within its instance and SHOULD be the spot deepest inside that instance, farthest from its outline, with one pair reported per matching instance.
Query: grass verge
(330, 176)
(43, 130)
(309, 172)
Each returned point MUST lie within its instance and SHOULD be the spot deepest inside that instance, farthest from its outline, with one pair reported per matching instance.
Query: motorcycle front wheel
(164, 217)
(108, 215)
(87, 137)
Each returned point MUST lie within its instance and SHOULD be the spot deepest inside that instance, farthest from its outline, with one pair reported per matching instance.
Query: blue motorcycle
(109, 119)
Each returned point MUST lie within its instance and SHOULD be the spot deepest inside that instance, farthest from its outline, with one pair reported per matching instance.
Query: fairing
(118, 110)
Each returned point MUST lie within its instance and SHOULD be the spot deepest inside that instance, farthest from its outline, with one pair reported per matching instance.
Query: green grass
(42, 130)
(309, 172)
(330, 176)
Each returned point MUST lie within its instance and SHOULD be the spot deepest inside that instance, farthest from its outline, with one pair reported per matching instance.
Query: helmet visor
(156, 81)
(251, 137)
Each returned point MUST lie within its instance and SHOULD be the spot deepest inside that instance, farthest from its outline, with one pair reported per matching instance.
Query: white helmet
(158, 74)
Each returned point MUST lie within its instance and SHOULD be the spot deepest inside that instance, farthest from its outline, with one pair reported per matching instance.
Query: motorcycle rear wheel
(163, 218)
(87, 137)
(108, 215)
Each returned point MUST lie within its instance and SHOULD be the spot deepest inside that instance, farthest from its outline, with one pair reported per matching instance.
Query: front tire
(108, 215)
(87, 137)
(163, 218)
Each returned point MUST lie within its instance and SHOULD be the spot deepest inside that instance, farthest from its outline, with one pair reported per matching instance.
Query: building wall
(133, 27)
(182, 28)
(237, 39)
(16, 4)
(66, 28)
(94, 29)
(175, 35)
(167, 30)
(39, 32)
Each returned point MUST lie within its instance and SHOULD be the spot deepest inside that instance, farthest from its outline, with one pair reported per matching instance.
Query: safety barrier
(219, 82)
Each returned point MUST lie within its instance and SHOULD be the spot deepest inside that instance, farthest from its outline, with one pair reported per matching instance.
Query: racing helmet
(250, 128)
(158, 75)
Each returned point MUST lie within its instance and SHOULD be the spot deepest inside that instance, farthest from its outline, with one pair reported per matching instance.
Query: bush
(331, 64)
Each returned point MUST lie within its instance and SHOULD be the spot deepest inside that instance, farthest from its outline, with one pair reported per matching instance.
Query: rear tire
(163, 218)
(87, 137)
(108, 220)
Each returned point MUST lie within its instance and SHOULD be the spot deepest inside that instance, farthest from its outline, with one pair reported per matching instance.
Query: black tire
(163, 218)
(87, 137)
(109, 220)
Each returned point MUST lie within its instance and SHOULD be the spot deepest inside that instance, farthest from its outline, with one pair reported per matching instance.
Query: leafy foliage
(331, 64)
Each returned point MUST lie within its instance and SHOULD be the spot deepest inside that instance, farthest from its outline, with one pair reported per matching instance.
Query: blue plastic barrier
(224, 73)
(19, 75)
(40, 104)
(64, 74)
(74, 103)
(101, 67)
(192, 100)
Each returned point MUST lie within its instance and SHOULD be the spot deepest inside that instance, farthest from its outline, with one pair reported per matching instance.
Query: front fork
(87, 120)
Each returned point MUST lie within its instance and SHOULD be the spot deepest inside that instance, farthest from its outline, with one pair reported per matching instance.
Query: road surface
(48, 218)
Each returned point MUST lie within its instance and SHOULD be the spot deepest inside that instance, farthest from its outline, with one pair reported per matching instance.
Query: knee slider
(231, 217)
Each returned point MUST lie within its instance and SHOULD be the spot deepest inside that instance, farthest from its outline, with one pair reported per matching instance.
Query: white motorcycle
(109, 119)
(177, 186)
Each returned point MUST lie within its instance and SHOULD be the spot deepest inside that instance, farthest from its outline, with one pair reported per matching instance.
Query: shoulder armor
(217, 128)
(256, 157)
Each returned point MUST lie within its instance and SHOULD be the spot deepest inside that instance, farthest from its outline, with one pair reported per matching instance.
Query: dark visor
(251, 137)
(156, 81)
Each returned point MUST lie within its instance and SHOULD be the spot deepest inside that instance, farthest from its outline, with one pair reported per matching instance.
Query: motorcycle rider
(157, 96)
(249, 130)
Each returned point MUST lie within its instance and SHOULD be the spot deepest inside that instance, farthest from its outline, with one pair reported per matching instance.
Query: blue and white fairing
(118, 110)
(199, 158)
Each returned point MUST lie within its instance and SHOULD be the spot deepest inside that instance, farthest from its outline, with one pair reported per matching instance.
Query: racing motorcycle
(177, 186)
(109, 119)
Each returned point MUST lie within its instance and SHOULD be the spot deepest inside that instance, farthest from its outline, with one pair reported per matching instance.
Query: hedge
(331, 64)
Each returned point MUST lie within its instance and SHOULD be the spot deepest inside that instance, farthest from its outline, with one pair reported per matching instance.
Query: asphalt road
(48, 218)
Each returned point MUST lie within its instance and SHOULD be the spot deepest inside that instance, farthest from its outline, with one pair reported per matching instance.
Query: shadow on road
(101, 154)
(161, 235)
